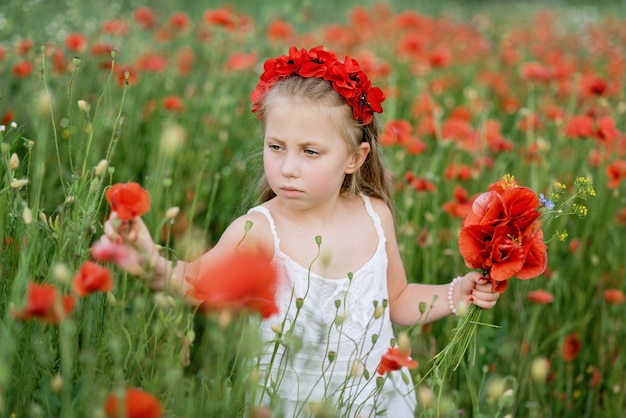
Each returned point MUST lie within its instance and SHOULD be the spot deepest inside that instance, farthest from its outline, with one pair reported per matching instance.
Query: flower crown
(346, 77)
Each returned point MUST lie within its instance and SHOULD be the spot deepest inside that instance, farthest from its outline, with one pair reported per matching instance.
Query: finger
(110, 231)
(485, 296)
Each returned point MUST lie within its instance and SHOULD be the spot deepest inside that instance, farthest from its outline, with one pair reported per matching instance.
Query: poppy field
(158, 98)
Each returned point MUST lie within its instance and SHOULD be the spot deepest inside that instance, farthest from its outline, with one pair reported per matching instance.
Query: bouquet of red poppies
(501, 236)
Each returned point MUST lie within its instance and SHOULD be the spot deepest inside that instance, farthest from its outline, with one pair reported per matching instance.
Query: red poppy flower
(616, 172)
(128, 200)
(461, 205)
(22, 69)
(44, 303)
(540, 297)
(395, 359)
(279, 30)
(179, 21)
(579, 127)
(144, 16)
(347, 78)
(7, 118)
(152, 63)
(221, 17)
(396, 132)
(137, 404)
(571, 347)
(90, 278)
(240, 61)
(243, 280)
(173, 104)
(116, 27)
(614, 296)
(76, 42)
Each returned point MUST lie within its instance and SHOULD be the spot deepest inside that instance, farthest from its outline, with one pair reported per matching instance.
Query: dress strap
(268, 215)
(375, 218)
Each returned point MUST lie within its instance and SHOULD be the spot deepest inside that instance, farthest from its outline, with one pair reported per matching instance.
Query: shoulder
(383, 211)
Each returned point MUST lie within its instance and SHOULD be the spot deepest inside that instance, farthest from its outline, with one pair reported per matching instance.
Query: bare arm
(161, 274)
(405, 298)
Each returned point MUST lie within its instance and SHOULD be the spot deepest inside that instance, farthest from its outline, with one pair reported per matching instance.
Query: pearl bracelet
(451, 295)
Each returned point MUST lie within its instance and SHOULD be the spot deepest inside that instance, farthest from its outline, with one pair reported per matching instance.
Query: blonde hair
(370, 179)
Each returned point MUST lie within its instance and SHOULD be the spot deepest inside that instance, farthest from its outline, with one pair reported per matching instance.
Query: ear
(357, 159)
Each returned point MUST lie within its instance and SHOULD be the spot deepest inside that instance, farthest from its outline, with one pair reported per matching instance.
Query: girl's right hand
(132, 239)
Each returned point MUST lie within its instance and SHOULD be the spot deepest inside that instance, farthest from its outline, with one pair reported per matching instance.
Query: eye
(311, 152)
(274, 147)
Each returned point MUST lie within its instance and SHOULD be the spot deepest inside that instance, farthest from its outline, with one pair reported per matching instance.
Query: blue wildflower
(543, 201)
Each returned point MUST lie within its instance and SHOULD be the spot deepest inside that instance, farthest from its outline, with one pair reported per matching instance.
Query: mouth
(290, 191)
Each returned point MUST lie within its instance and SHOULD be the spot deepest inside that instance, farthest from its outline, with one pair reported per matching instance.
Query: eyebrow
(300, 144)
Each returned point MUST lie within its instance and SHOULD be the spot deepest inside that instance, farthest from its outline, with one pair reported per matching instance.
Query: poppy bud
(14, 162)
(17, 184)
(84, 106)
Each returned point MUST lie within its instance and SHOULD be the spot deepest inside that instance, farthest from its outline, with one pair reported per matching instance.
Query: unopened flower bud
(495, 388)
(27, 215)
(299, 303)
(331, 356)
(76, 61)
(378, 312)
(14, 163)
(173, 138)
(172, 213)
(111, 298)
(84, 106)
(506, 400)
(425, 396)
(163, 300)
(18, 183)
(539, 369)
(44, 104)
(57, 383)
(100, 167)
(404, 342)
(61, 273)
(356, 369)
(277, 329)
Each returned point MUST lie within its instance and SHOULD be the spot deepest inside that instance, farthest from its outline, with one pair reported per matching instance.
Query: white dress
(336, 316)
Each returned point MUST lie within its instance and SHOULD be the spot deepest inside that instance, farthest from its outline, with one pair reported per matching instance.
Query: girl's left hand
(475, 288)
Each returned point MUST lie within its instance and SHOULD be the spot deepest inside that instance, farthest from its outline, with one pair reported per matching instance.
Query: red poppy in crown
(346, 77)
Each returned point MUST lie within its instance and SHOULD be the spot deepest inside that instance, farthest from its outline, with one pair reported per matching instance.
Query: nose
(289, 167)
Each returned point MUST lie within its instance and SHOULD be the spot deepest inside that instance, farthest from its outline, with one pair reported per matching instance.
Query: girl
(325, 217)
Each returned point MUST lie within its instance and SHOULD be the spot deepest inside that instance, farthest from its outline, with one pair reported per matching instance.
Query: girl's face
(304, 156)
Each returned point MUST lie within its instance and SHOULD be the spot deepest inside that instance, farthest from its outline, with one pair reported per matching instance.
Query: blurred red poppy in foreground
(44, 303)
(137, 404)
(243, 280)
(92, 278)
(502, 235)
(395, 359)
(128, 200)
